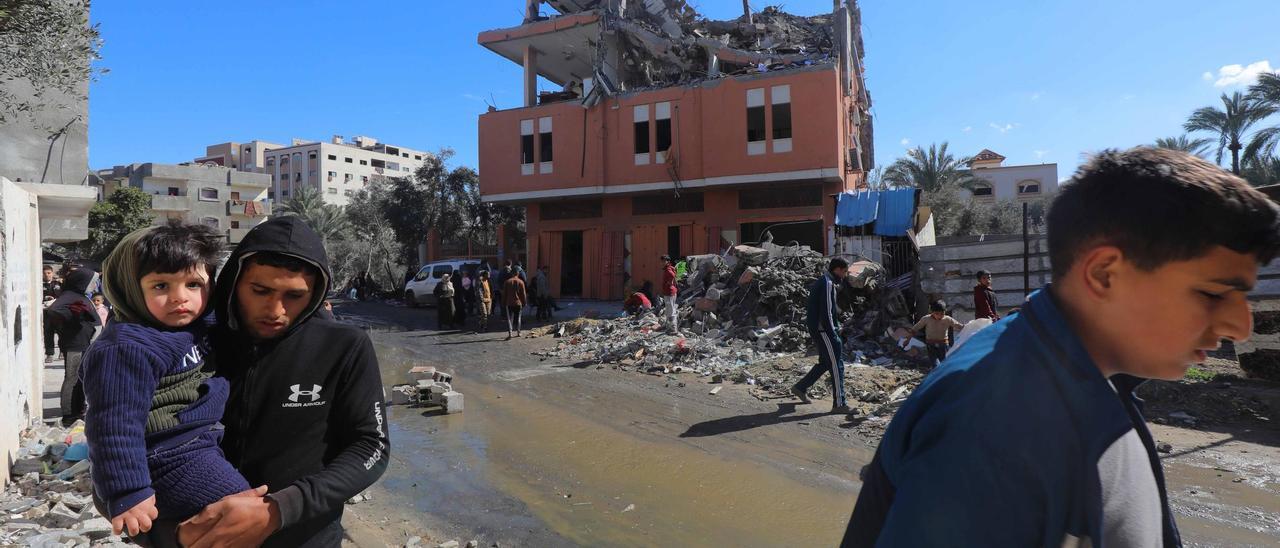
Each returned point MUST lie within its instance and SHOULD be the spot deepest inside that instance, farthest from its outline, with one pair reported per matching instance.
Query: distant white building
(1026, 182)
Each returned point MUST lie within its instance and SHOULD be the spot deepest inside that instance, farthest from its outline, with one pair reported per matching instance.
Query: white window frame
(202, 197)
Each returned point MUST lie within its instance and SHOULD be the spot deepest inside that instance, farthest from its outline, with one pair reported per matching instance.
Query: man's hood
(286, 235)
(79, 280)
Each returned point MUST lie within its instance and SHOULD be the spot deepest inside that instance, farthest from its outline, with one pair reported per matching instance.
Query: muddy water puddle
(520, 468)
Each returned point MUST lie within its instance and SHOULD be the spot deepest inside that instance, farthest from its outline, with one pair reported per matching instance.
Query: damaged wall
(21, 347)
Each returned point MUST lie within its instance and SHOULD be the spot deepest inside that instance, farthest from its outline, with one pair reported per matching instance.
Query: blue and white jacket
(1017, 440)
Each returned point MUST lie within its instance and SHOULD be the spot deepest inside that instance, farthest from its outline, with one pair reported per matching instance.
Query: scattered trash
(715, 390)
(1164, 447)
(629, 508)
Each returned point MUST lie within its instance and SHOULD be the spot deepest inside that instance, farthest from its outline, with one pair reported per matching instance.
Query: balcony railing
(249, 208)
(170, 203)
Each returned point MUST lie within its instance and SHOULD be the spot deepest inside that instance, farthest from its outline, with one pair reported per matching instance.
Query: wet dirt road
(549, 454)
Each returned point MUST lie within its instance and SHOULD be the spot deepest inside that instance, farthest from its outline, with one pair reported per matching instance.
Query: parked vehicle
(421, 289)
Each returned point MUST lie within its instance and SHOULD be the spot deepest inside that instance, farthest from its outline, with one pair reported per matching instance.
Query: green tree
(1264, 143)
(48, 45)
(326, 219)
(435, 197)
(929, 170)
(124, 211)
(1262, 171)
(1230, 124)
(1184, 143)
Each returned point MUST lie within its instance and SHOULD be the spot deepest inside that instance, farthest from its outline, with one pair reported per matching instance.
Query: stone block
(422, 372)
(706, 305)
(452, 402)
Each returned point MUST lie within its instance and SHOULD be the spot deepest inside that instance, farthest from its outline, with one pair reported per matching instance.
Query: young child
(154, 406)
(100, 305)
(936, 327)
(1030, 433)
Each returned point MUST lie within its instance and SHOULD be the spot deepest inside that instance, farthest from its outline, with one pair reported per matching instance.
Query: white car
(421, 289)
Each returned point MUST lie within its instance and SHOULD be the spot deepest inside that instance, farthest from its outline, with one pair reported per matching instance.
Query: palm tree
(326, 219)
(1184, 143)
(1266, 92)
(1231, 123)
(929, 170)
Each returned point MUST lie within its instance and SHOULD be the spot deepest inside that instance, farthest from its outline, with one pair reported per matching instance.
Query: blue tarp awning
(892, 211)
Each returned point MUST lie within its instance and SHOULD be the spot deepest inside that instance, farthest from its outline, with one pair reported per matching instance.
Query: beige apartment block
(230, 200)
(337, 168)
(1014, 182)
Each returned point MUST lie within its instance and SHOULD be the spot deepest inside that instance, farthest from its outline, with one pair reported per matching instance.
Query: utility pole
(1026, 254)
(746, 11)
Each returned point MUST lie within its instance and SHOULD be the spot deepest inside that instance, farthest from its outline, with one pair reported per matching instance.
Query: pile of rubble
(49, 501)
(743, 319)
(430, 388)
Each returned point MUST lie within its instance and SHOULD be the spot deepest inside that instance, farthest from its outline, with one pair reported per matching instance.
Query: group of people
(74, 319)
(461, 293)
(224, 408)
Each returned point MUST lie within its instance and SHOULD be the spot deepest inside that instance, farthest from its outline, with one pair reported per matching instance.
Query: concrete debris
(431, 388)
(48, 502)
(448, 544)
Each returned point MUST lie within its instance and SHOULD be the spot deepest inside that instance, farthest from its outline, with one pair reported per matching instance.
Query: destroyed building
(673, 134)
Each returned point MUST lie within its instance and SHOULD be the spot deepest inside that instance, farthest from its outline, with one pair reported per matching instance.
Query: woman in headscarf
(444, 301)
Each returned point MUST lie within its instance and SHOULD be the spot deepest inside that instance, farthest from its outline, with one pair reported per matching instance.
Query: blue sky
(1039, 81)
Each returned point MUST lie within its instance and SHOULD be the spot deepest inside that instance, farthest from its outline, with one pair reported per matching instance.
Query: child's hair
(1158, 206)
(937, 306)
(177, 246)
(983, 273)
(96, 295)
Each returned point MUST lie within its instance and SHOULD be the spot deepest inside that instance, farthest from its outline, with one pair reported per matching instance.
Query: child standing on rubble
(823, 327)
(671, 311)
(1030, 433)
(154, 404)
(937, 327)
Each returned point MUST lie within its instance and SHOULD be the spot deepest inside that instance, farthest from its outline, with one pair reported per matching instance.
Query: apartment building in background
(336, 168)
(227, 199)
(1017, 182)
(677, 140)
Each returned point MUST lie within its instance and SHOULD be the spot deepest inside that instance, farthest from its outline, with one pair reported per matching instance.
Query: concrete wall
(21, 363)
(949, 271)
(25, 146)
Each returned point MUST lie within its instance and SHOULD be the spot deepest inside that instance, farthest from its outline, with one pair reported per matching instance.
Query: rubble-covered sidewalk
(743, 321)
(49, 501)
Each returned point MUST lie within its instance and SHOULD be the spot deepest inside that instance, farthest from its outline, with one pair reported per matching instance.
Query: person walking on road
(984, 298)
(513, 301)
(671, 311)
(822, 312)
(542, 293)
(484, 301)
(73, 317)
(459, 301)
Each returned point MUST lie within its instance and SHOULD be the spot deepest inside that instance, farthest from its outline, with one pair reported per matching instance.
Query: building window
(173, 191)
(248, 150)
(787, 196)
(284, 160)
(780, 97)
(346, 177)
(364, 162)
(755, 120)
(526, 147)
(570, 209)
(333, 156)
(331, 175)
(404, 154)
(312, 173)
(235, 224)
(347, 192)
(331, 190)
(271, 161)
(311, 155)
(662, 130)
(417, 156)
(208, 194)
(271, 194)
(284, 192)
(235, 195)
(405, 168)
(364, 179)
(348, 160)
(658, 204)
(210, 221)
(297, 177)
(640, 133)
(982, 190)
(544, 145)
(1028, 187)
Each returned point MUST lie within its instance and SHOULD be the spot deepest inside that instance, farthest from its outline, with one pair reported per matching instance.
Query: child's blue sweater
(150, 391)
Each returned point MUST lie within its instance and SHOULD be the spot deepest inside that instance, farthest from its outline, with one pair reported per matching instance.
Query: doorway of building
(571, 264)
(803, 232)
(673, 242)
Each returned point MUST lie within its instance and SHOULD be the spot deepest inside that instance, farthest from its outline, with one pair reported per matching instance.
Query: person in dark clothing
(52, 288)
(305, 418)
(459, 300)
(1030, 433)
(444, 302)
(154, 404)
(514, 299)
(984, 298)
(822, 312)
(73, 317)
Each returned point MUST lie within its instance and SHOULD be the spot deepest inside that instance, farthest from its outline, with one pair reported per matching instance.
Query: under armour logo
(298, 392)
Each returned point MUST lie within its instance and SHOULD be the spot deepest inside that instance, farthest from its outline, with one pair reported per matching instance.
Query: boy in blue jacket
(153, 403)
(1030, 434)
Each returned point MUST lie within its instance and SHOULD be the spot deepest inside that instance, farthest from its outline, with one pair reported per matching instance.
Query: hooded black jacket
(72, 314)
(305, 415)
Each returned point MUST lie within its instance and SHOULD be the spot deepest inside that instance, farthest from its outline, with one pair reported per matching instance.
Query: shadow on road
(746, 422)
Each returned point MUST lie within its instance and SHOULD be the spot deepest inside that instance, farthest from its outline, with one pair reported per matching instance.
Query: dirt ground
(557, 453)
